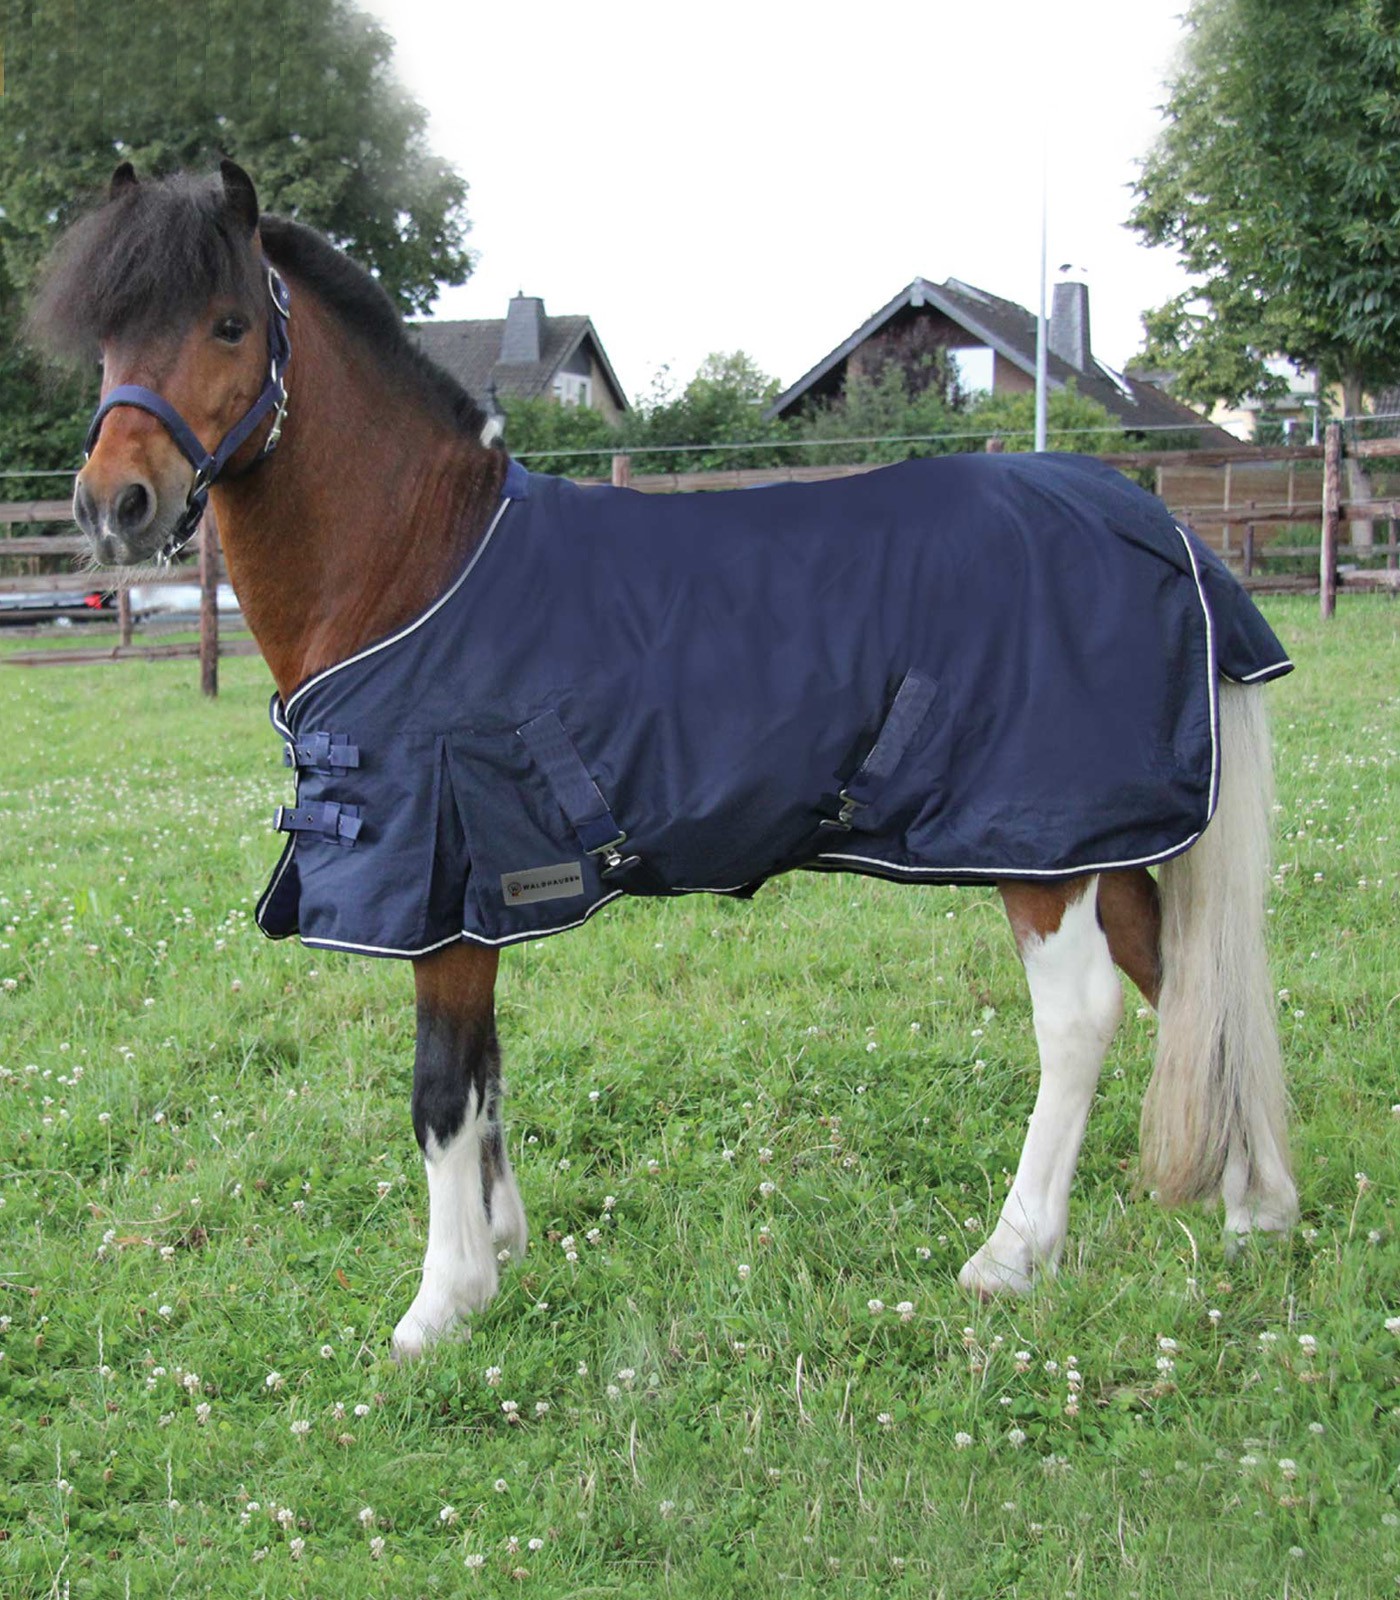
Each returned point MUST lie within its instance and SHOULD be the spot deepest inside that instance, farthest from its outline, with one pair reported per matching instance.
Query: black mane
(146, 262)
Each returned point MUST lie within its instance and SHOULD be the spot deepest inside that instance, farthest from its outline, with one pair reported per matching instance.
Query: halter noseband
(208, 466)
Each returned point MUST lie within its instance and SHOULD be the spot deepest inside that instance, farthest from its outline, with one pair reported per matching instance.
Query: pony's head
(165, 284)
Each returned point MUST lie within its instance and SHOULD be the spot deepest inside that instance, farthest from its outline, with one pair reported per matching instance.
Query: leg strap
(908, 710)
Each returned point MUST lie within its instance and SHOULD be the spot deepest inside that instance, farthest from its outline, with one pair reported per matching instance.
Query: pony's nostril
(133, 508)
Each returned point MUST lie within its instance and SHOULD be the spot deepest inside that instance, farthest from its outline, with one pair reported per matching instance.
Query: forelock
(143, 264)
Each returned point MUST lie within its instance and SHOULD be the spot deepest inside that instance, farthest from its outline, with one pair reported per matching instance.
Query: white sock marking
(1077, 1002)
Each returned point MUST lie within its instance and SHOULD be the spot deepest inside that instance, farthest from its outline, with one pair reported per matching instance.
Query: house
(993, 344)
(527, 354)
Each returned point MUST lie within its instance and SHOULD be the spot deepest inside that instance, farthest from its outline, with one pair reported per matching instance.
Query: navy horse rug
(964, 669)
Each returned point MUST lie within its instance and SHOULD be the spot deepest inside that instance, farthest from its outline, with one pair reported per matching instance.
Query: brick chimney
(1069, 325)
(523, 338)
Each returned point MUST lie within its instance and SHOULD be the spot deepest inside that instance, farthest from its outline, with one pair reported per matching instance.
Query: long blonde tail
(1215, 1114)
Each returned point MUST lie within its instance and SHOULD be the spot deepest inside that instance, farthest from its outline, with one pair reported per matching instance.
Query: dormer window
(572, 390)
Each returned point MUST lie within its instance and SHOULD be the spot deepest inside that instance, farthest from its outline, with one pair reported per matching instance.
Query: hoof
(443, 1311)
(415, 1334)
(1274, 1215)
(987, 1275)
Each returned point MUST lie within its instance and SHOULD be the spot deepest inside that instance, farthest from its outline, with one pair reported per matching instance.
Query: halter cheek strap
(209, 465)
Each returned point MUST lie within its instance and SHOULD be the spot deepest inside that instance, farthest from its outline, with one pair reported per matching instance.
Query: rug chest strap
(582, 802)
(907, 711)
(320, 749)
(328, 818)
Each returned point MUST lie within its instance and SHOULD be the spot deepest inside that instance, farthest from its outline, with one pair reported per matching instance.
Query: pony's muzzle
(116, 521)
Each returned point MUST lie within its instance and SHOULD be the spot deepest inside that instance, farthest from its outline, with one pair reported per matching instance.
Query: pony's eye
(230, 330)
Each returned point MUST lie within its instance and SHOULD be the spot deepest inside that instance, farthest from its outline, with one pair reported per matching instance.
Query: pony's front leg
(474, 1207)
(1076, 1002)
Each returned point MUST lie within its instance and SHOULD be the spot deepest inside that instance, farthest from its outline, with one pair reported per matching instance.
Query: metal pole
(1040, 330)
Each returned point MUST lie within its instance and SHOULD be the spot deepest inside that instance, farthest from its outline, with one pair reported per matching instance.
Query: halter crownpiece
(208, 466)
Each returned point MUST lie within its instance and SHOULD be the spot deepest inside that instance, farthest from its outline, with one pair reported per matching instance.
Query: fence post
(995, 445)
(621, 471)
(209, 605)
(1331, 514)
(1249, 546)
(123, 616)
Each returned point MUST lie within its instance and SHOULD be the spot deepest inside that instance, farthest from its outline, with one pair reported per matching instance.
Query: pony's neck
(362, 516)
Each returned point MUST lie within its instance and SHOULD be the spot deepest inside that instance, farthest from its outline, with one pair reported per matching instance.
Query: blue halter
(208, 466)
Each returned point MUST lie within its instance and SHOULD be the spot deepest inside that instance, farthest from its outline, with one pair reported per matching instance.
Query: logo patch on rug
(542, 883)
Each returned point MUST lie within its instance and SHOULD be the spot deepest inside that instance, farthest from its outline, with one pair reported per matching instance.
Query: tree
(1073, 422)
(300, 92)
(1276, 179)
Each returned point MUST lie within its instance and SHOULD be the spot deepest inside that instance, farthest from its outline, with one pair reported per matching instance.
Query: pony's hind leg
(474, 1205)
(1076, 1002)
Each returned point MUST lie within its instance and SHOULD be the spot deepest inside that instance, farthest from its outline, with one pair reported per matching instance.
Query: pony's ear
(240, 194)
(123, 178)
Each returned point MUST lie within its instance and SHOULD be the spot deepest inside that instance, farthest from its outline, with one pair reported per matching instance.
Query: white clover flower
(203, 1411)
(1168, 1346)
(535, 1544)
(376, 1547)
(448, 1516)
(884, 1419)
(474, 1559)
(296, 1549)
(500, 1486)
(961, 1441)
(326, 1352)
(493, 1376)
(541, 1408)
(667, 1507)
(905, 1308)
(1016, 1438)
(1392, 1325)
(767, 1187)
(273, 1380)
(366, 1516)
(744, 1269)
(1214, 1316)
(362, 1410)
(875, 1307)
(301, 1427)
(1307, 1344)
(1288, 1467)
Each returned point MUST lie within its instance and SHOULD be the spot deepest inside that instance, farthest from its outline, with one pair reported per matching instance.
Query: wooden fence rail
(1328, 510)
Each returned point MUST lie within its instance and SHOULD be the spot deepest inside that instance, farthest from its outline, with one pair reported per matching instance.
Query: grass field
(755, 1143)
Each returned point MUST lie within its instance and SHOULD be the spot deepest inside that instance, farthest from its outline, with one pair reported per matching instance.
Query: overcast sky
(764, 175)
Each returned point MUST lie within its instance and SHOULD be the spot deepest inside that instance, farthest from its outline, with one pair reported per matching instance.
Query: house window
(572, 390)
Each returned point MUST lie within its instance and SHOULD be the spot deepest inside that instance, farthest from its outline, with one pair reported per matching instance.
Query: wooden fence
(1235, 499)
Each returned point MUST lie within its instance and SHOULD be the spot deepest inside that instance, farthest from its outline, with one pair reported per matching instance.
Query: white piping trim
(455, 938)
(412, 627)
(1274, 671)
(277, 877)
(996, 874)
